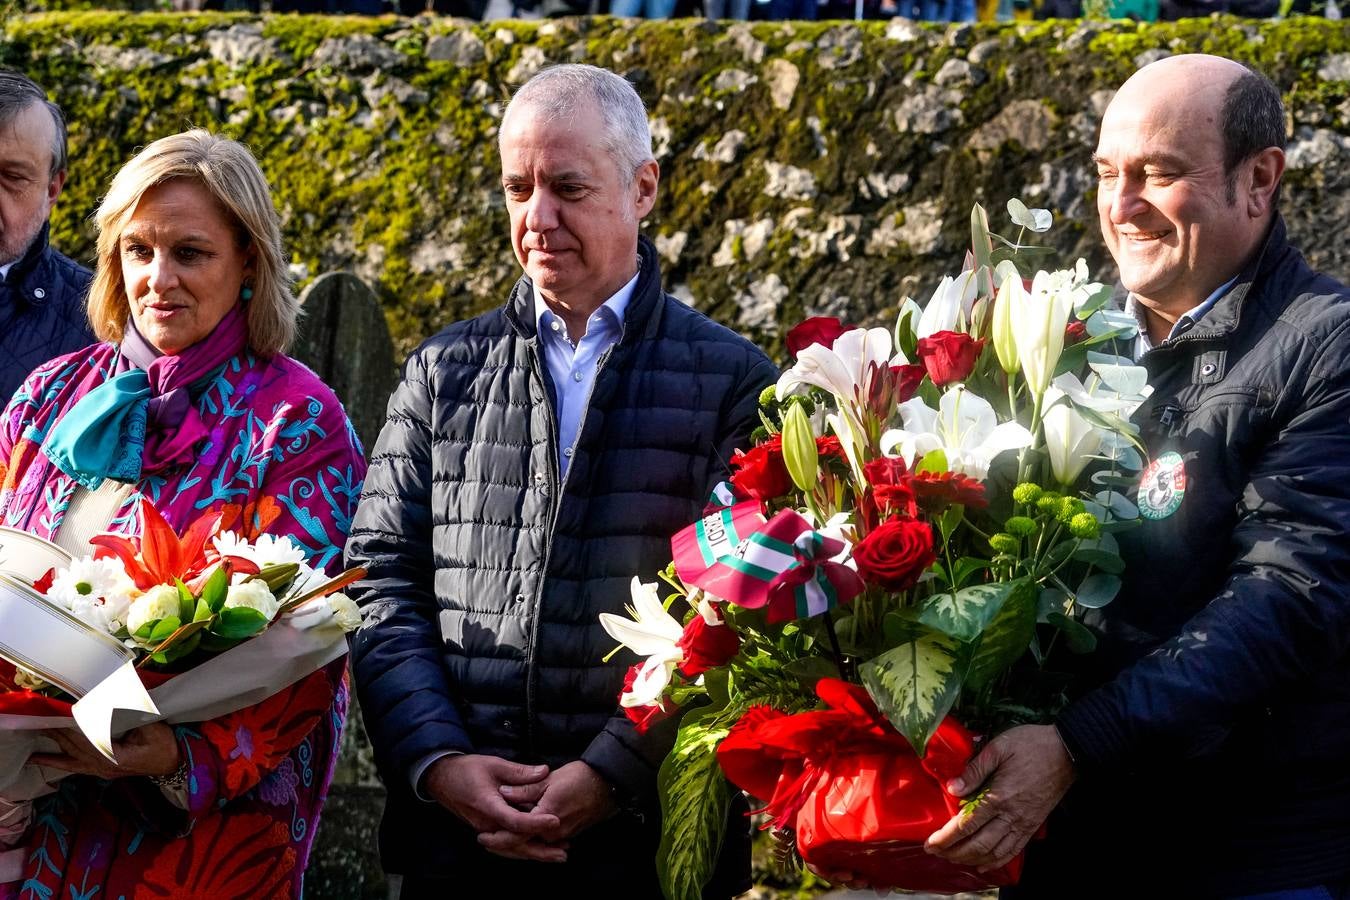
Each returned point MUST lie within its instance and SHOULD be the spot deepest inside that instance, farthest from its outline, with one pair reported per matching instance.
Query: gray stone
(1029, 123)
(671, 246)
(357, 51)
(243, 45)
(750, 238)
(531, 60)
(958, 73)
(461, 47)
(888, 234)
(724, 151)
(928, 110)
(906, 31)
(923, 226)
(1335, 68)
(839, 47)
(126, 59)
(1151, 56)
(750, 47)
(1314, 149)
(733, 80)
(877, 186)
(781, 77)
(1082, 36)
(983, 52)
(759, 306)
(1061, 189)
(377, 87)
(661, 135)
(817, 129)
(789, 182)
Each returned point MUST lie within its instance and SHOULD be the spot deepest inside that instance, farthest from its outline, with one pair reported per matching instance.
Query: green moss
(385, 188)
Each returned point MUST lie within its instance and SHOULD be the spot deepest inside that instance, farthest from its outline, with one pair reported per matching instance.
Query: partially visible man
(1208, 757)
(41, 292)
(536, 459)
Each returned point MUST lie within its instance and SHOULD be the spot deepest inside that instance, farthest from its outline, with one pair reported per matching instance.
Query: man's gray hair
(558, 91)
(17, 93)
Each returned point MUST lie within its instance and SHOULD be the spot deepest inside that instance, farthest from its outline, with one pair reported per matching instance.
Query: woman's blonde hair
(230, 173)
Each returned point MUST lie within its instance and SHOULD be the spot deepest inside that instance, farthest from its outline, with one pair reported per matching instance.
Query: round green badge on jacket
(1162, 487)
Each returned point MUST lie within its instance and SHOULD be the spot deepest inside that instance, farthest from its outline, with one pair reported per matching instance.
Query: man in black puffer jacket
(536, 459)
(41, 292)
(1209, 751)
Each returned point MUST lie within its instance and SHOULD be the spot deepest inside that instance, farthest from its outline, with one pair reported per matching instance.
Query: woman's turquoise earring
(246, 294)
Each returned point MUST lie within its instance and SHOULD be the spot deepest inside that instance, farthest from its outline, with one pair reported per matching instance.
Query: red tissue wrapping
(854, 792)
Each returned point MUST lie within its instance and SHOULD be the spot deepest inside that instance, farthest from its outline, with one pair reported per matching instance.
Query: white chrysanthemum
(267, 550)
(345, 612)
(88, 578)
(252, 595)
(160, 602)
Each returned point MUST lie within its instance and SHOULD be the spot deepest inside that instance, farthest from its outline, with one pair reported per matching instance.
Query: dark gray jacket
(41, 312)
(487, 576)
(1213, 755)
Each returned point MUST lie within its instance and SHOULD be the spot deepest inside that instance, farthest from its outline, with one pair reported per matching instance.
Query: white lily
(964, 427)
(651, 632)
(1070, 439)
(1118, 394)
(1038, 327)
(950, 305)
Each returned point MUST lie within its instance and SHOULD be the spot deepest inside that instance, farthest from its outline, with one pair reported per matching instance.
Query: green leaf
(1080, 637)
(1095, 301)
(1034, 220)
(933, 461)
(900, 626)
(800, 456)
(239, 622)
(213, 592)
(1097, 590)
(187, 604)
(163, 628)
(1006, 638)
(277, 577)
(914, 685)
(1105, 560)
(980, 244)
(810, 669)
(203, 613)
(695, 797)
(967, 567)
(1051, 600)
(951, 517)
(964, 615)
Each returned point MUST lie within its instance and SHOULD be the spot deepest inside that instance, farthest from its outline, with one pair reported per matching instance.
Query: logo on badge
(1162, 486)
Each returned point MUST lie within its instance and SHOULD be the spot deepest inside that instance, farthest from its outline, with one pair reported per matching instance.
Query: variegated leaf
(695, 797)
(914, 685)
(965, 613)
(1005, 638)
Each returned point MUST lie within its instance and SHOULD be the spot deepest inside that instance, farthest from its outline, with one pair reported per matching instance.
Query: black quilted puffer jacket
(487, 575)
(41, 312)
(1215, 751)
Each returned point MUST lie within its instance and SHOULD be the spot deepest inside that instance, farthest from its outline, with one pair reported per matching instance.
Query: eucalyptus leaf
(1098, 590)
(1129, 381)
(1118, 505)
(1095, 301)
(1050, 601)
(1109, 479)
(1080, 638)
(1036, 220)
(1104, 320)
(915, 685)
(1107, 562)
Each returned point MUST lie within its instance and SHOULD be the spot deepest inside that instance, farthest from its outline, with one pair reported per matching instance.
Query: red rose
(889, 491)
(760, 471)
(906, 380)
(895, 553)
(706, 646)
(935, 489)
(1074, 332)
(949, 356)
(645, 716)
(821, 330)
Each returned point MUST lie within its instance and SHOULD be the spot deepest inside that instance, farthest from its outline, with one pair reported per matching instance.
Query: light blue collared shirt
(572, 367)
(1143, 343)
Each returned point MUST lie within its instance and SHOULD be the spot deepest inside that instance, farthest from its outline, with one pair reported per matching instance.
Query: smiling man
(41, 292)
(1205, 754)
(535, 460)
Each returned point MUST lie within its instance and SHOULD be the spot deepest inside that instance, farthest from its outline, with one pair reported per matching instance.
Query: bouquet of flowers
(926, 513)
(160, 628)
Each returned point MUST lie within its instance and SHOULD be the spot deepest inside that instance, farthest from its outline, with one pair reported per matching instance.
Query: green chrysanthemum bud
(1085, 526)
(1004, 543)
(1020, 526)
(1026, 493)
(768, 398)
(1068, 508)
(1048, 503)
(759, 435)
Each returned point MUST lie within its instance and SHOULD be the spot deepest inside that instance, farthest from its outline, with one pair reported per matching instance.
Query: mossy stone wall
(811, 167)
